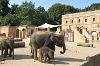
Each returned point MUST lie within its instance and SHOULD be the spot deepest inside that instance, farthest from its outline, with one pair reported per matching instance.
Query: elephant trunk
(64, 49)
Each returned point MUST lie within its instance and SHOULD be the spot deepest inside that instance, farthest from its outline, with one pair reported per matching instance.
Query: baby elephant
(45, 54)
(7, 43)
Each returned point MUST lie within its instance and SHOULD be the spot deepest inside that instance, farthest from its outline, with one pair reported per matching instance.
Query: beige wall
(78, 38)
(18, 32)
(89, 20)
(4, 29)
(12, 31)
(8, 30)
(88, 16)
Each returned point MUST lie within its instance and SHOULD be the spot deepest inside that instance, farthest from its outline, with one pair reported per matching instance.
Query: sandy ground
(74, 56)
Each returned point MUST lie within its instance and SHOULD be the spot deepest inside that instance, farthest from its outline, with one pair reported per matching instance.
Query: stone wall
(4, 29)
(93, 61)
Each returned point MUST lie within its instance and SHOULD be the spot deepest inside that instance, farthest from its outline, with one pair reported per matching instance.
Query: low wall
(93, 61)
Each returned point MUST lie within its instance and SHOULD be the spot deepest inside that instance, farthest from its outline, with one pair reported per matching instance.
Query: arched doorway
(24, 33)
(17, 33)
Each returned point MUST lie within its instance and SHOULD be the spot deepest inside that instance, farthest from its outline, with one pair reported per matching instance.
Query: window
(72, 21)
(66, 21)
(85, 20)
(79, 20)
(93, 19)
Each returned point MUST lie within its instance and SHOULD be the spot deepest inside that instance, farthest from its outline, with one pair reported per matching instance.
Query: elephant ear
(54, 38)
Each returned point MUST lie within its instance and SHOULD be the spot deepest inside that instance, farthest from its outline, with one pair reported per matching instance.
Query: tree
(11, 20)
(40, 16)
(13, 9)
(56, 11)
(94, 6)
(0, 20)
(26, 13)
(4, 9)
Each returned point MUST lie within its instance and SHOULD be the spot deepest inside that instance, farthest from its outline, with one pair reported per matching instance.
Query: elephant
(45, 54)
(7, 43)
(39, 38)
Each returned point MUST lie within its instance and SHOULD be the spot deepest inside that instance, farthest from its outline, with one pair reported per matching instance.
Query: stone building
(8, 30)
(17, 31)
(84, 25)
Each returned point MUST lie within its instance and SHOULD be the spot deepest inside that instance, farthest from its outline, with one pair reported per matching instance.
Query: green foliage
(92, 7)
(26, 13)
(0, 21)
(40, 16)
(11, 20)
(4, 9)
(13, 9)
(57, 10)
(95, 6)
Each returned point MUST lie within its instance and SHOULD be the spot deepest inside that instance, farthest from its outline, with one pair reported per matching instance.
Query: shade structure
(47, 26)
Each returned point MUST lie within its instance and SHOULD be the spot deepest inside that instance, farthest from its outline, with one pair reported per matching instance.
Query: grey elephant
(7, 43)
(45, 54)
(39, 38)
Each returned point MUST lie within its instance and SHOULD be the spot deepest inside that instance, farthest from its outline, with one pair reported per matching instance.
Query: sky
(48, 3)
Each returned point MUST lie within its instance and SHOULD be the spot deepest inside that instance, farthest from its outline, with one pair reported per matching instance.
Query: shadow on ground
(69, 59)
(59, 60)
(19, 57)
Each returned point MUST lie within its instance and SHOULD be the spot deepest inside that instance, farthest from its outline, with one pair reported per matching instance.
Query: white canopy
(47, 26)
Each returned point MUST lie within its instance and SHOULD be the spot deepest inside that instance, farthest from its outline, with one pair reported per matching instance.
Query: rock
(17, 39)
(19, 44)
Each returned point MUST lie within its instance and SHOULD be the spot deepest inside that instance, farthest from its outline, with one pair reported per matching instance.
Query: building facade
(17, 31)
(8, 30)
(85, 25)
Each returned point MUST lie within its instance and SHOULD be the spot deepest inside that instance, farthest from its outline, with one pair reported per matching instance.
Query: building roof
(47, 26)
(87, 13)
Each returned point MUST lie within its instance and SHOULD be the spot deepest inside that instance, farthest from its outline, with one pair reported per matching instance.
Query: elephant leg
(40, 58)
(35, 54)
(52, 56)
(32, 50)
(13, 53)
(10, 52)
(1, 51)
(5, 52)
(48, 60)
(45, 59)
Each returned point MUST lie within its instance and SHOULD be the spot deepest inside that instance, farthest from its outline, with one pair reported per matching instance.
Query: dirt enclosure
(74, 56)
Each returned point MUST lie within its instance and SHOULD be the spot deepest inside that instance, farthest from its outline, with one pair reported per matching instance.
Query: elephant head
(51, 54)
(58, 39)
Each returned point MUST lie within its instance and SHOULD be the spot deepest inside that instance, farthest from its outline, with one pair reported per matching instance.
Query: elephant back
(39, 38)
(3, 39)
